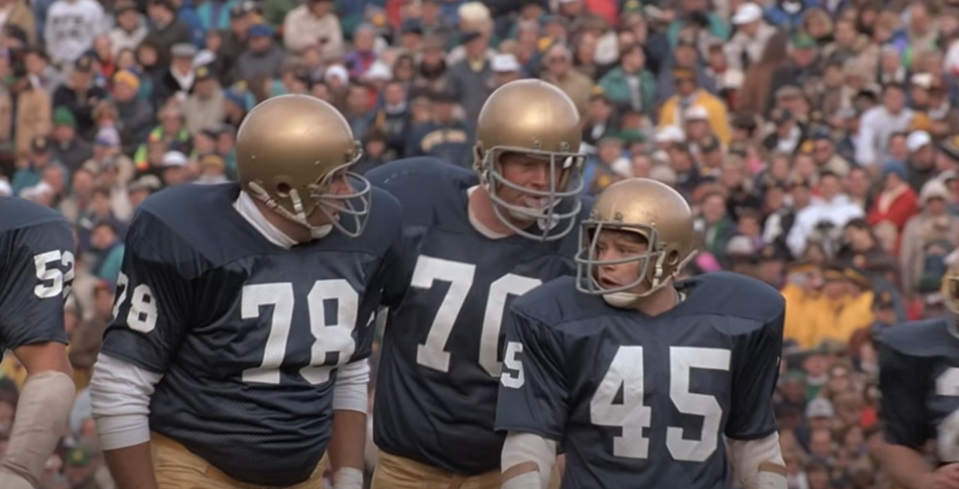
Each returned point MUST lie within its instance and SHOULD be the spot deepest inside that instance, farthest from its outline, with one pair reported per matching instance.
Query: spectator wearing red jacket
(896, 202)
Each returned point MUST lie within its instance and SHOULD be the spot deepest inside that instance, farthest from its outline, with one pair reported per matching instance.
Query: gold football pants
(393, 472)
(178, 468)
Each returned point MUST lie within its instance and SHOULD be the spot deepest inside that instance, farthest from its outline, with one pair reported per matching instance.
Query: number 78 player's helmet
(291, 153)
(654, 211)
(536, 119)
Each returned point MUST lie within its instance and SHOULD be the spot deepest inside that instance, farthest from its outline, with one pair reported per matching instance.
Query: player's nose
(539, 177)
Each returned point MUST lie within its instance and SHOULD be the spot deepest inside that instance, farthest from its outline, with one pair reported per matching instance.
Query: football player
(36, 271)
(476, 239)
(919, 382)
(240, 340)
(641, 377)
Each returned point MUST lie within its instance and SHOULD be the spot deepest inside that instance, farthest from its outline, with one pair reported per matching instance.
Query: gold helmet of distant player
(650, 209)
(289, 152)
(950, 284)
(534, 118)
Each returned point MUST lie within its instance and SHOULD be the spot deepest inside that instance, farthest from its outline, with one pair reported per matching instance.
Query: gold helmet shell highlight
(290, 149)
(533, 118)
(650, 209)
(950, 285)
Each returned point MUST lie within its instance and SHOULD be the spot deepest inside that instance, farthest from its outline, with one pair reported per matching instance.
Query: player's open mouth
(536, 203)
(607, 283)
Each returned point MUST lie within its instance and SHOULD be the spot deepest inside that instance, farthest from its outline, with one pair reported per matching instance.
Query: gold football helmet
(650, 209)
(290, 150)
(950, 285)
(537, 119)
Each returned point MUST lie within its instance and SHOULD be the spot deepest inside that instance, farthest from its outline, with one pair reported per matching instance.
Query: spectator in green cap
(802, 67)
(81, 466)
(67, 147)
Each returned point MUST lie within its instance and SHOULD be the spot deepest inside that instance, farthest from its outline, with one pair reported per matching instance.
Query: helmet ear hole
(283, 190)
(672, 257)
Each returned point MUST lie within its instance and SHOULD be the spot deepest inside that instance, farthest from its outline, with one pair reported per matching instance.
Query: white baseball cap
(504, 63)
(916, 140)
(670, 134)
(174, 158)
(746, 13)
(696, 113)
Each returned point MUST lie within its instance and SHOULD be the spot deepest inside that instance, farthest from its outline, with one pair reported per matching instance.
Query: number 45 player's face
(615, 245)
(529, 172)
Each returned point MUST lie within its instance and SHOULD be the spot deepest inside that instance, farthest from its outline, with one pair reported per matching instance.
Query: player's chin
(328, 215)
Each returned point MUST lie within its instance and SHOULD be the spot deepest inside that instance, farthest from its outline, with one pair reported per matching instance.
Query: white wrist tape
(758, 464)
(529, 480)
(527, 447)
(348, 478)
(350, 391)
(771, 480)
(41, 418)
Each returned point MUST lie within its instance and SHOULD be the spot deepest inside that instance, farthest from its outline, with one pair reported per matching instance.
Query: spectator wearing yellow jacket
(689, 94)
(844, 305)
(801, 291)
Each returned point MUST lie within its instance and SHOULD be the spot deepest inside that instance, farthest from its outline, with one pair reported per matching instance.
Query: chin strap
(316, 232)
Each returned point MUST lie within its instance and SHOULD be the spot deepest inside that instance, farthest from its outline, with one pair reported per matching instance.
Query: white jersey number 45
(627, 374)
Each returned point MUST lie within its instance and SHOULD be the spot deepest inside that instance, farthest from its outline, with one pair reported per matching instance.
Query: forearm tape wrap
(45, 403)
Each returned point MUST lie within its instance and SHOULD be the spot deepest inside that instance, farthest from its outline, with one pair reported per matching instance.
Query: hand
(9, 480)
(945, 477)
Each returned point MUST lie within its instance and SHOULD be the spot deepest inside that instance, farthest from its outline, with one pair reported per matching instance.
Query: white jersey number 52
(433, 353)
(626, 373)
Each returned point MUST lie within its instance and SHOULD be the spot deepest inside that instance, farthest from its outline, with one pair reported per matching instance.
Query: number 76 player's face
(615, 245)
(529, 172)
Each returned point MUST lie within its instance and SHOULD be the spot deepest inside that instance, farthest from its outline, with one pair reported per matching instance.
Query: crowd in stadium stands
(816, 140)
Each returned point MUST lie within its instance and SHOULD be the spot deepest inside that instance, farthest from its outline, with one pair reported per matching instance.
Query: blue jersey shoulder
(186, 227)
(385, 221)
(731, 294)
(197, 228)
(558, 302)
(186, 207)
(921, 339)
(16, 213)
(420, 171)
(427, 188)
(724, 294)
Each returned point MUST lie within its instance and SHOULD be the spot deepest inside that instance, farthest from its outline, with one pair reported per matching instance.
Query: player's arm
(532, 402)
(152, 311)
(350, 402)
(751, 429)
(906, 420)
(38, 270)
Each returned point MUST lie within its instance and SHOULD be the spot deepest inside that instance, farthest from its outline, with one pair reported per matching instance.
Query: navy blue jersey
(247, 334)
(919, 381)
(638, 401)
(36, 271)
(436, 393)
